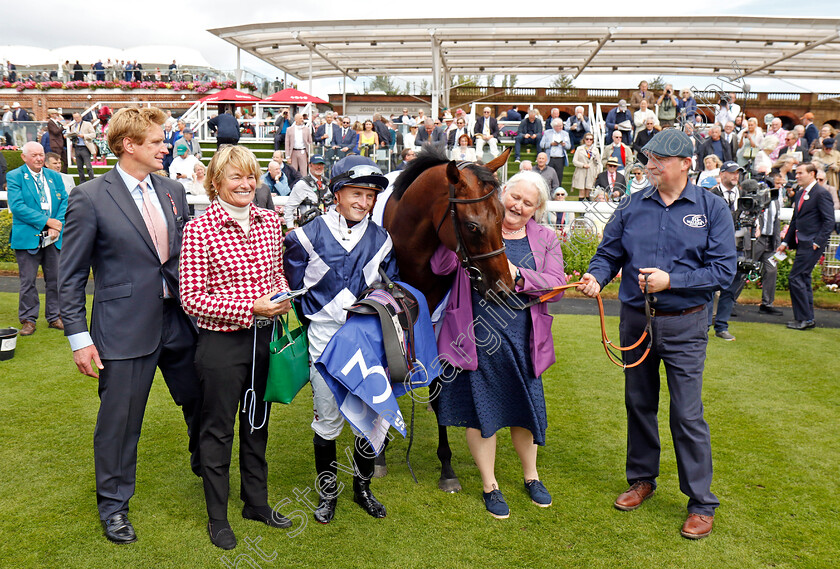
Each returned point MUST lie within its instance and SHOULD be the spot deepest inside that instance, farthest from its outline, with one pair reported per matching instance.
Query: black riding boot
(363, 457)
(325, 460)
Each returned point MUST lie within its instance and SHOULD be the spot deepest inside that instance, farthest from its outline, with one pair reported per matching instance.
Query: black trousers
(559, 165)
(679, 344)
(123, 391)
(220, 140)
(83, 163)
(28, 263)
(223, 361)
(799, 282)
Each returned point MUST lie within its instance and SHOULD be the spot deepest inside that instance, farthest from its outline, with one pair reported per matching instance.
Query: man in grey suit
(127, 225)
(430, 133)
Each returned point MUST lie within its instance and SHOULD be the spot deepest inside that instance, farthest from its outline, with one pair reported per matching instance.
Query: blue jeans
(520, 140)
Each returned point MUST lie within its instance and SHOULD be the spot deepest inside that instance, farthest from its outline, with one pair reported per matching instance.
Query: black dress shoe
(764, 309)
(221, 535)
(801, 324)
(365, 498)
(325, 511)
(266, 515)
(118, 529)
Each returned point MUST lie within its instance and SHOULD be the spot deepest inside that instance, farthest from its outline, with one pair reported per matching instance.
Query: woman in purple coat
(499, 383)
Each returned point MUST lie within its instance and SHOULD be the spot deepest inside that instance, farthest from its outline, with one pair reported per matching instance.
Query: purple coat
(456, 342)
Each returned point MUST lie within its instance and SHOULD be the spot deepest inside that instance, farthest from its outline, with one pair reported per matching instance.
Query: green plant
(13, 159)
(578, 250)
(6, 253)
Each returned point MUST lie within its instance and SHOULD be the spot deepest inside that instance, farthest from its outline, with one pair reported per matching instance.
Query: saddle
(398, 310)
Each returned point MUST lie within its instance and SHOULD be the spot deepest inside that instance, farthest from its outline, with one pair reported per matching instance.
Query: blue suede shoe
(538, 492)
(496, 505)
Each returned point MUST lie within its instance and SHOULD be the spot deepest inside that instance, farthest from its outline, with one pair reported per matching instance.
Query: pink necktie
(155, 225)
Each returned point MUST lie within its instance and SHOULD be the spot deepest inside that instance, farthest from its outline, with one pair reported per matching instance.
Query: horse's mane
(434, 155)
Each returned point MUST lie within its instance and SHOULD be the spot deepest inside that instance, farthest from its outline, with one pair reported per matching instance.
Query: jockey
(336, 257)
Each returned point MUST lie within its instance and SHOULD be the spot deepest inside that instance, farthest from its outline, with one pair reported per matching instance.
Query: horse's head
(476, 234)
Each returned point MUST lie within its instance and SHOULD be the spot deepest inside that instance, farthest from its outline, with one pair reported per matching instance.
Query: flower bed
(193, 86)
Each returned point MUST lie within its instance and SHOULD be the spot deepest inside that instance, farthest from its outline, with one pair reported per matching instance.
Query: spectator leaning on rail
(38, 201)
(530, 131)
(677, 241)
(336, 257)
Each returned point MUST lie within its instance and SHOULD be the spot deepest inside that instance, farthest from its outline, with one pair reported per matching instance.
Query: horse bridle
(467, 260)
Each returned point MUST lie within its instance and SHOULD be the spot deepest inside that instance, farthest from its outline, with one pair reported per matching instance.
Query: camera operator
(308, 194)
(767, 239)
(668, 103)
(728, 190)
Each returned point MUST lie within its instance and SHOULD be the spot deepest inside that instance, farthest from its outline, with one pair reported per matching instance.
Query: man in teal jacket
(38, 201)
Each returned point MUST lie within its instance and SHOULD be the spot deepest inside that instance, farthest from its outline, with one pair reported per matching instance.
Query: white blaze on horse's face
(354, 203)
(520, 204)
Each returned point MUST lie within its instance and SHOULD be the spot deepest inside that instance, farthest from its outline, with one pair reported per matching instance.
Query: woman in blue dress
(500, 384)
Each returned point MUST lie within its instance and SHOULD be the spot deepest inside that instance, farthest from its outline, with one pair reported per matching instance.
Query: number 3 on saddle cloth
(385, 349)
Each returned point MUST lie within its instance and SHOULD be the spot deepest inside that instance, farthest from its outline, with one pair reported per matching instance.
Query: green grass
(771, 400)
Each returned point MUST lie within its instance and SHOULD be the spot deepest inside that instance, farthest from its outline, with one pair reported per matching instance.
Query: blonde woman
(749, 144)
(587, 164)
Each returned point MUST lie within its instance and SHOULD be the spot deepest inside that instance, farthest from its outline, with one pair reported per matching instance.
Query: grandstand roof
(730, 46)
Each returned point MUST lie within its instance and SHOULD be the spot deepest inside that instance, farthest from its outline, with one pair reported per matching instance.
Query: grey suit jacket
(104, 230)
(262, 197)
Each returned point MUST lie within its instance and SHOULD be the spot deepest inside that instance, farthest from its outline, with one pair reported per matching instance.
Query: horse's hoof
(380, 471)
(450, 485)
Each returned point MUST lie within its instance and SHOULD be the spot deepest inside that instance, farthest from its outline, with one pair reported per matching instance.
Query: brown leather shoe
(27, 328)
(697, 526)
(57, 324)
(634, 496)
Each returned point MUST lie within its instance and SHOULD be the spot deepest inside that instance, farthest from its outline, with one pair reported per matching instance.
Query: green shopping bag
(288, 363)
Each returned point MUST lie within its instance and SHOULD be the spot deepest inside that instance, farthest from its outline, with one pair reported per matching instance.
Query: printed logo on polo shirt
(695, 220)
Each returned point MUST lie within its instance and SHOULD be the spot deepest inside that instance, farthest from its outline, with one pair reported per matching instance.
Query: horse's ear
(498, 161)
(452, 173)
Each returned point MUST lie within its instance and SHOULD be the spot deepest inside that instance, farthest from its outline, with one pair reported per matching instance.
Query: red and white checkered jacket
(223, 271)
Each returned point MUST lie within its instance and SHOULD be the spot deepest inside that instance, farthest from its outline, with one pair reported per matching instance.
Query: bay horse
(438, 201)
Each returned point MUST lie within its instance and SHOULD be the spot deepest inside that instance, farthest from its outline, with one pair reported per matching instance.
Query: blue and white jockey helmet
(359, 171)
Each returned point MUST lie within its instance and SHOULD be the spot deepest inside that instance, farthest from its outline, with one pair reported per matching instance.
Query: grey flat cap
(670, 142)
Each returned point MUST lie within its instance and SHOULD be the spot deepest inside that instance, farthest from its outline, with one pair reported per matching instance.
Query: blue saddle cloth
(356, 370)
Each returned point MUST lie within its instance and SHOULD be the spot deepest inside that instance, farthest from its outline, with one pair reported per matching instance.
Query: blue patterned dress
(503, 391)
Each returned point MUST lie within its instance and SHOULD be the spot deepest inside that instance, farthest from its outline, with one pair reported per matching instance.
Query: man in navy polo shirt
(681, 238)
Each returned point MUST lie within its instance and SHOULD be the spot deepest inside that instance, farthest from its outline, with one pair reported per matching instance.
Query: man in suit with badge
(38, 201)
(810, 227)
(127, 225)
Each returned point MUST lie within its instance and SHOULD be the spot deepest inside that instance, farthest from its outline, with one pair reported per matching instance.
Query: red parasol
(295, 97)
(230, 96)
